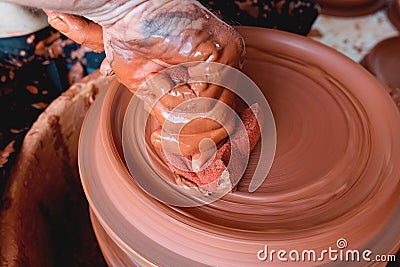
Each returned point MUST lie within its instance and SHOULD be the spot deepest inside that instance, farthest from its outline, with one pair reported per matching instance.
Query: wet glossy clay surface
(335, 173)
(384, 61)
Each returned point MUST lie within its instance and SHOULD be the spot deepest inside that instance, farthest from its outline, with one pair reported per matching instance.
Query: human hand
(145, 39)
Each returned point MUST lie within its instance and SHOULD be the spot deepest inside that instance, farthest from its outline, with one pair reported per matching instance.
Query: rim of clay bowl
(344, 8)
(374, 59)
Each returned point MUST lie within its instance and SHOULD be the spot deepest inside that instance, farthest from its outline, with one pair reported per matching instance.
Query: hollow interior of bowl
(384, 61)
(335, 173)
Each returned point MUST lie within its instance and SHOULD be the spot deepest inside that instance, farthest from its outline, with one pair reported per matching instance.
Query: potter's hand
(78, 29)
(143, 39)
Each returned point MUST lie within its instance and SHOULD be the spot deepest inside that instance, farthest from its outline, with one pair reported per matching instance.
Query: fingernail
(59, 24)
(106, 69)
(156, 139)
(197, 162)
(207, 154)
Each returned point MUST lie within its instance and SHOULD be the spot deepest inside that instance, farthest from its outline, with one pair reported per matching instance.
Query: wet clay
(350, 8)
(209, 40)
(335, 173)
(393, 13)
(210, 178)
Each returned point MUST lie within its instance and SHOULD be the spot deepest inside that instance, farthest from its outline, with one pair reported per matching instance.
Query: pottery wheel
(335, 174)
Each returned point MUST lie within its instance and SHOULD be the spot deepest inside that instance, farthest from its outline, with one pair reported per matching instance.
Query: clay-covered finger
(177, 96)
(78, 29)
(105, 68)
(134, 70)
(187, 144)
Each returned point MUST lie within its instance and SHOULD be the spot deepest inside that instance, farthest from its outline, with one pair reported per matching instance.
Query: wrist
(112, 11)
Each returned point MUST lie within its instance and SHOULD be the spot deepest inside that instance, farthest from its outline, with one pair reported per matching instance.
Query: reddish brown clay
(350, 8)
(384, 61)
(335, 174)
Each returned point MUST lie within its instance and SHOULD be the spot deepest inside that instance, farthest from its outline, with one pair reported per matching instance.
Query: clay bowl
(350, 8)
(393, 13)
(43, 216)
(384, 61)
(334, 181)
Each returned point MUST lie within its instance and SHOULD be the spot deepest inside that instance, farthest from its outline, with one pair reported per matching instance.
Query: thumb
(78, 29)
